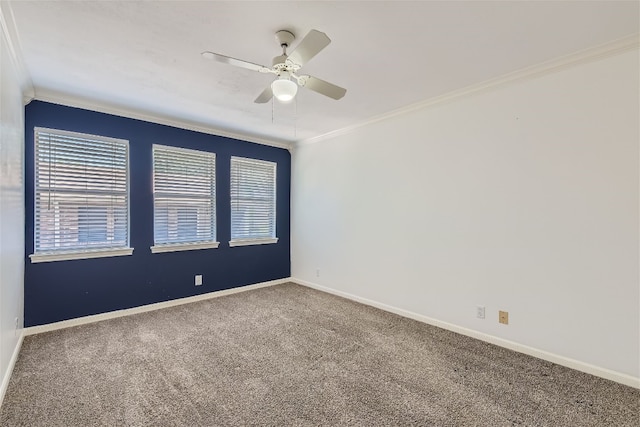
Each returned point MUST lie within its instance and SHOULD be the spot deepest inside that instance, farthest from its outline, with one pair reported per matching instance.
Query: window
(184, 199)
(81, 204)
(253, 202)
(88, 232)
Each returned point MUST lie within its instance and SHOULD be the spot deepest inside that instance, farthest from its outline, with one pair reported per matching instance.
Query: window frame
(255, 240)
(184, 246)
(77, 253)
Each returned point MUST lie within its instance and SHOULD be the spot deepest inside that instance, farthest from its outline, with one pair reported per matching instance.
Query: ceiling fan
(285, 67)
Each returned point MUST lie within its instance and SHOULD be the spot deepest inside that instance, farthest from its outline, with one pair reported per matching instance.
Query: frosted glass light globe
(284, 89)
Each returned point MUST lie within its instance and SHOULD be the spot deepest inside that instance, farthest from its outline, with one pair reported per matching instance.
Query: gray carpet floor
(289, 355)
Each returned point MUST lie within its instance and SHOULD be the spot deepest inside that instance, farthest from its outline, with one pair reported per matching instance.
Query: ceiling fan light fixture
(284, 89)
(286, 67)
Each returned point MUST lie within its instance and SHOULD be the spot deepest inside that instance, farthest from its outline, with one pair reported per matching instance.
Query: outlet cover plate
(198, 279)
(503, 317)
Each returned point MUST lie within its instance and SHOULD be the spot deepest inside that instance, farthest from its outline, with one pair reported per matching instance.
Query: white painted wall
(11, 208)
(523, 198)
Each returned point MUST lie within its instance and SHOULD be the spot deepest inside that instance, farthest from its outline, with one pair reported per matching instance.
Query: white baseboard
(7, 375)
(531, 351)
(144, 308)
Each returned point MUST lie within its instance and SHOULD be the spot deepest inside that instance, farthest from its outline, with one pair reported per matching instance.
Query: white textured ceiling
(145, 56)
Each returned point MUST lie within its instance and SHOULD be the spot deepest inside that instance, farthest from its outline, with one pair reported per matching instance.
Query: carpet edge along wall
(62, 290)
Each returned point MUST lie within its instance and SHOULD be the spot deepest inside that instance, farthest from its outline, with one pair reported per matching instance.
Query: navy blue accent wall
(61, 290)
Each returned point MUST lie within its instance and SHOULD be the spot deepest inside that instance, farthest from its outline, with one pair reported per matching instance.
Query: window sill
(248, 242)
(67, 256)
(176, 247)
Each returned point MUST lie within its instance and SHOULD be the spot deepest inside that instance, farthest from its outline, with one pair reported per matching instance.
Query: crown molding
(592, 54)
(8, 25)
(77, 102)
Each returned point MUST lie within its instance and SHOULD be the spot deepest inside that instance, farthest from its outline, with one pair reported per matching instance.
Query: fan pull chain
(272, 102)
(295, 118)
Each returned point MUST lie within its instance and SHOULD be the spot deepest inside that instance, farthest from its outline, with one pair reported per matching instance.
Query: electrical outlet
(480, 312)
(317, 272)
(503, 317)
(198, 279)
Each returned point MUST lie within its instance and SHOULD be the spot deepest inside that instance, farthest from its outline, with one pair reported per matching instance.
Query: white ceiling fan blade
(236, 62)
(265, 96)
(309, 47)
(322, 87)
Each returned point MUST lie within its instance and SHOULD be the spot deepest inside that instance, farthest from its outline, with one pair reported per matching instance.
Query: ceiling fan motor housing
(279, 61)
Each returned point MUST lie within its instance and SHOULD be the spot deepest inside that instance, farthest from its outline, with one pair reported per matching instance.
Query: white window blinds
(184, 198)
(81, 193)
(253, 201)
